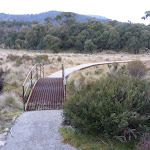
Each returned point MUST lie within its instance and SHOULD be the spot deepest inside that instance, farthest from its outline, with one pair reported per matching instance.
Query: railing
(32, 73)
(64, 80)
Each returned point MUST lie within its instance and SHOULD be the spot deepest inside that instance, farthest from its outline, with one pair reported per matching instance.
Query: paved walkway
(83, 66)
(38, 130)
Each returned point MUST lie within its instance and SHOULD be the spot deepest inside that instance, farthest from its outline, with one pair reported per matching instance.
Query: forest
(68, 34)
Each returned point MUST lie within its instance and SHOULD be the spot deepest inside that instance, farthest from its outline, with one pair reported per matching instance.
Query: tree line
(89, 36)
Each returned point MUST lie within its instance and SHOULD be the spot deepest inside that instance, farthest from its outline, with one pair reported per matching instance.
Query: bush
(26, 57)
(137, 69)
(12, 57)
(11, 101)
(115, 105)
(89, 46)
(18, 62)
(59, 59)
(40, 58)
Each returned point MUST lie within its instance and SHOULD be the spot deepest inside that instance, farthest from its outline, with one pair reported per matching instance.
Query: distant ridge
(41, 17)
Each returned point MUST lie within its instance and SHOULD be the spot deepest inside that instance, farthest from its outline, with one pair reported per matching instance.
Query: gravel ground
(37, 130)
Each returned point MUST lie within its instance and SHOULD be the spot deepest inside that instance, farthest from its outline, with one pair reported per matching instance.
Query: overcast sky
(121, 10)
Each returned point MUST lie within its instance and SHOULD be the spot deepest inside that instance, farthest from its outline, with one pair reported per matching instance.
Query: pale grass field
(70, 59)
(14, 76)
(18, 73)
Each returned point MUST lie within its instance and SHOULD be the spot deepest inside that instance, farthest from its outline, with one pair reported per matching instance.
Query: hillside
(41, 17)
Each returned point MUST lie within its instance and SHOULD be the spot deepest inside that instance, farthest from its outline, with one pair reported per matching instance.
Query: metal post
(65, 94)
(31, 79)
(63, 71)
(64, 81)
(23, 98)
(43, 71)
(37, 72)
(40, 70)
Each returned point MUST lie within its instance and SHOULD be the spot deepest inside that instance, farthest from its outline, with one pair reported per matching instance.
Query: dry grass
(16, 69)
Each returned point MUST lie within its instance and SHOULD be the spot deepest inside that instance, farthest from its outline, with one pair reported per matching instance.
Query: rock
(6, 129)
(2, 137)
(2, 143)
(14, 118)
(5, 133)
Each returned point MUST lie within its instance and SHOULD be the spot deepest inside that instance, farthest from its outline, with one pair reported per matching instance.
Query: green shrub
(115, 105)
(137, 69)
(99, 71)
(44, 57)
(59, 59)
(89, 46)
(18, 62)
(11, 102)
(16, 58)
(26, 57)
(12, 57)
(40, 58)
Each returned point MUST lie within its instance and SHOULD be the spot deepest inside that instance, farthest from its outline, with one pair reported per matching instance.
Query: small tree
(89, 46)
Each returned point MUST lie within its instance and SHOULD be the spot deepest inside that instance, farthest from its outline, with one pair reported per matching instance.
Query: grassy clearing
(93, 142)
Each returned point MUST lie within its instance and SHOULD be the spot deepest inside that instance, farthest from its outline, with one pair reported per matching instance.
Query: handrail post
(37, 72)
(63, 71)
(40, 70)
(43, 71)
(64, 80)
(31, 79)
(23, 98)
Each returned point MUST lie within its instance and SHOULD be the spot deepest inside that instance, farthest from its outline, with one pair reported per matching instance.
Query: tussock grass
(10, 100)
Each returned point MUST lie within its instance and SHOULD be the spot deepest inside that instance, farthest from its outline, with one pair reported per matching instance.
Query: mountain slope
(41, 17)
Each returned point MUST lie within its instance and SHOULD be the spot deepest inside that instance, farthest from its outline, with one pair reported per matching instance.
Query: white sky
(121, 10)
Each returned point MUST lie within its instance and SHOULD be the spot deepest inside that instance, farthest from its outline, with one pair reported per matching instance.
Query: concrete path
(83, 66)
(37, 130)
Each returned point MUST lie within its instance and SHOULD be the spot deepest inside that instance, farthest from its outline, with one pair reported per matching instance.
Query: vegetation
(116, 106)
(137, 69)
(93, 142)
(67, 33)
(10, 108)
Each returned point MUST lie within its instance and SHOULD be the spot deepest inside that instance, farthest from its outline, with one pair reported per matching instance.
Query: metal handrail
(41, 69)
